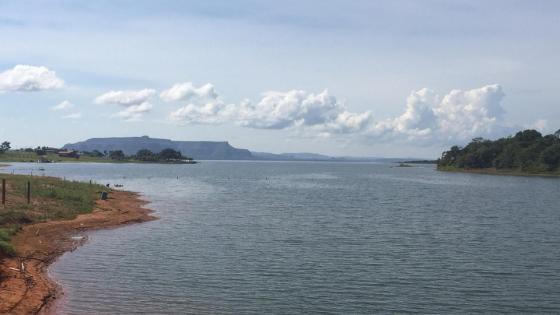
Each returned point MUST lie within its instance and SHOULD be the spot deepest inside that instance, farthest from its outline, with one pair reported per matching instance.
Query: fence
(4, 190)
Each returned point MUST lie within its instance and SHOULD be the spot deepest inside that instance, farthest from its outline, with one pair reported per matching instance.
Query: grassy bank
(22, 156)
(51, 199)
(494, 171)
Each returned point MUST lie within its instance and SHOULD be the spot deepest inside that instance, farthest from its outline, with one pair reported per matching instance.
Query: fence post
(28, 192)
(3, 191)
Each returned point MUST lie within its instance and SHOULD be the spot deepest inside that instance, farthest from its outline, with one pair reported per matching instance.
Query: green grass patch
(51, 198)
(22, 156)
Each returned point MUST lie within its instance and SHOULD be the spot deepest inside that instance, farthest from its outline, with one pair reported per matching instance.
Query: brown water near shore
(25, 287)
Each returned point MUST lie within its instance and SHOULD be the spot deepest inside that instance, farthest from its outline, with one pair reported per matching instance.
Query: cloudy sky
(368, 78)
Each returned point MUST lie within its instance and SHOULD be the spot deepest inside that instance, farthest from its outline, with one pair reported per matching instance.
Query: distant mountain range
(199, 150)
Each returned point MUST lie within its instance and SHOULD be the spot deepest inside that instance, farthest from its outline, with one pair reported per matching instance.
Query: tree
(96, 153)
(506, 159)
(146, 155)
(527, 151)
(449, 157)
(117, 155)
(525, 137)
(170, 154)
(5, 146)
(40, 151)
(551, 157)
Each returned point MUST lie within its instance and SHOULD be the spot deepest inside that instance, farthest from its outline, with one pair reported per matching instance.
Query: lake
(317, 237)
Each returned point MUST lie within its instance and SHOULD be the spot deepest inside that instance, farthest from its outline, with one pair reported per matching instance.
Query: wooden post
(28, 192)
(3, 191)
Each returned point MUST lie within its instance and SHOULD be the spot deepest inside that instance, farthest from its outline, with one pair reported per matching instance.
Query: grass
(494, 171)
(51, 199)
(22, 156)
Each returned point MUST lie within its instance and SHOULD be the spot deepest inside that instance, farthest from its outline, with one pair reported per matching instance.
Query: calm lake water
(300, 238)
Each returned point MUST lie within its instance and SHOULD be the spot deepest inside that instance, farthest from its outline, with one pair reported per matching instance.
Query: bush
(6, 249)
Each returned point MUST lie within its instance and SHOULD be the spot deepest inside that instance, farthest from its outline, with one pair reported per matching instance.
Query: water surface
(302, 237)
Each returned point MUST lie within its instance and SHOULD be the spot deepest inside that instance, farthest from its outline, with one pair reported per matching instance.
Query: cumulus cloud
(64, 105)
(125, 98)
(279, 110)
(276, 110)
(458, 115)
(72, 116)
(25, 78)
(134, 112)
(135, 102)
(209, 113)
(204, 104)
(427, 118)
(187, 91)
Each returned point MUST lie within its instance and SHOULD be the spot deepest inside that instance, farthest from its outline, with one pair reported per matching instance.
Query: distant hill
(199, 150)
(204, 150)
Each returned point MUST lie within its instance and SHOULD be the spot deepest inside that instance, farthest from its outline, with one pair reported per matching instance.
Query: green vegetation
(45, 154)
(6, 247)
(32, 156)
(528, 152)
(166, 155)
(5, 146)
(51, 198)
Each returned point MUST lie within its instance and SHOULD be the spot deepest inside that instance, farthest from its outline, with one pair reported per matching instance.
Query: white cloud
(64, 105)
(135, 102)
(125, 98)
(428, 117)
(279, 110)
(457, 116)
(187, 91)
(72, 116)
(25, 78)
(209, 113)
(134, 112)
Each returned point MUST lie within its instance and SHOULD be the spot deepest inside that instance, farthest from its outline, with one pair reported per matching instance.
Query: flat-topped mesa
(198, 150)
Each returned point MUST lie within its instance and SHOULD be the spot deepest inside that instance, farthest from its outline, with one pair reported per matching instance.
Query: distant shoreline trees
(528, 152)
(43, 154)
(144, 155)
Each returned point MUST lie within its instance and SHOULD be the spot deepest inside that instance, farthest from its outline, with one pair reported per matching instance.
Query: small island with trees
(528, 152)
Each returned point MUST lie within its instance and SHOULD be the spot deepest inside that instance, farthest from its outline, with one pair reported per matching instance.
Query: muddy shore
(25, 287)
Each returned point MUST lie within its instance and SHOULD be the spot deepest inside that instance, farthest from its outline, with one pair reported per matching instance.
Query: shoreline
(493, 171)
(25, 284)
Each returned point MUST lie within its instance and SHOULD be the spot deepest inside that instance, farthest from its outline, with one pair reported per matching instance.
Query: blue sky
(375, 78)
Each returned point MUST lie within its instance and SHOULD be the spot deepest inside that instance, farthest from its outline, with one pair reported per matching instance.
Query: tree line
(145, 155)
(527, 151)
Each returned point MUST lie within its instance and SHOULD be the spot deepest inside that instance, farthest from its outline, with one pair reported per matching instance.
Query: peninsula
(528, 152)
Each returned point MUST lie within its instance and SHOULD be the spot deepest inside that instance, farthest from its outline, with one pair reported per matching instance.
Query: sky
(361, 78)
